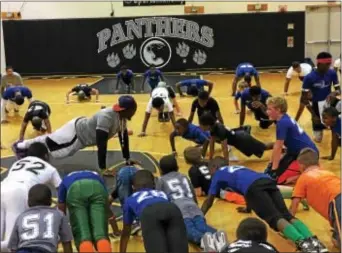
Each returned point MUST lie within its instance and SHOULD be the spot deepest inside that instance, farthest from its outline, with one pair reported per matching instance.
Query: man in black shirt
(238, 138)
(38, 113)
(83, 92)
(204, 103)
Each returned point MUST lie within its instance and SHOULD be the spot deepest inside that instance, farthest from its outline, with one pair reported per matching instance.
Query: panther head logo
(155, 51)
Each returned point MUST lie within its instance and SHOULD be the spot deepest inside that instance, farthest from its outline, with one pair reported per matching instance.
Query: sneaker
(208, 243)
(306, 245)
(318, 136)
(221, 241)
(19, 153)
(135, 228)
(318, 244)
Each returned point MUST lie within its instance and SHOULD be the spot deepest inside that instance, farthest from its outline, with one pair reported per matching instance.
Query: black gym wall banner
(128, 3)
(171, 43)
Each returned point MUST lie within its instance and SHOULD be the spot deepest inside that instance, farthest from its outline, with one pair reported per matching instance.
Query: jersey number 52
(28, 165)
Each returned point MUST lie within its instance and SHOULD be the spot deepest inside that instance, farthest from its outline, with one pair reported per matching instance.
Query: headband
(324, 60)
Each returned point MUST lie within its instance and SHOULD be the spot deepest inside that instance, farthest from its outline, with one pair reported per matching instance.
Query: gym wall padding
(172, 43)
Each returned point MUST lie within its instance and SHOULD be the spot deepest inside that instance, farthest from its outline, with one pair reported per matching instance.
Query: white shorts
(61, 143)
(14, 196)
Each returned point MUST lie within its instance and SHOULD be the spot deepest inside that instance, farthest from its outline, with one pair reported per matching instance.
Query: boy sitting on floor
(180, 191)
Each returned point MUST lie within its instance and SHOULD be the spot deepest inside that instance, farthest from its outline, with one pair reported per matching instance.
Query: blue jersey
(246, 98)
(294, 137)
(196, 134)
(153, 78)
(127, 78)
(246, 69)
(72, 177)
(199, 83)
(237, 178)
(319, 85)
(337, 128)
(238, 95)
(135, 204)
(10, 92)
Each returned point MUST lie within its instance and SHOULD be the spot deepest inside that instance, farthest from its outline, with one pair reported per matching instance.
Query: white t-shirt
(162, 93)
(305, 69)
(33, 170)
(337, 64)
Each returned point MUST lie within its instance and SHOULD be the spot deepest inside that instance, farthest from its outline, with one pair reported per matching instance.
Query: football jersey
(250, 246)
(37, 109)
(163, 93)
(10, 92)
(33, 170)
(135, 204)
(199, 83)
(236, 178)
(305, 69)
(153, 77)
(294, 137)
(320, 85)
(126, 78)
(200, 176)
(180, 191)
(246, 68)
(40, 227)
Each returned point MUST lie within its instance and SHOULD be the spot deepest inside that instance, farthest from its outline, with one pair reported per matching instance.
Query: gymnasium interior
(57, 45)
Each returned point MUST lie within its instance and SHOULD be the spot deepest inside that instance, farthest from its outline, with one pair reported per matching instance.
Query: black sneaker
(306, 245)
(318, 244)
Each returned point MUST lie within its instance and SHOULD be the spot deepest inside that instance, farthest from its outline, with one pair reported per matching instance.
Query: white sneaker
(221, 241)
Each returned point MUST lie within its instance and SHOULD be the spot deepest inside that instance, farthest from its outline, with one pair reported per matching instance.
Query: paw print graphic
(129, 51)
(113, 60)
(200, 57)
(182, 50)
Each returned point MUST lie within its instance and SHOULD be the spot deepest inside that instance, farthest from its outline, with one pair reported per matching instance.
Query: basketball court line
(3, 170)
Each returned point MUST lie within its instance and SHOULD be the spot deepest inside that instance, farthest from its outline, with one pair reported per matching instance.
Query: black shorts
(163, 229)
(246, 143)
(265, 199)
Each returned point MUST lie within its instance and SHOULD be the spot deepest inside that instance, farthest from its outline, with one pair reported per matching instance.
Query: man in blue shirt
(288, 134)
(255, 99)
(319, 83)
(242, 70)
(332, 119)
(189, 132)
(85, 195)
(194, 86)
(153, 76)
(162, 224)
(12, 98)
(264, 198)
(126, 76)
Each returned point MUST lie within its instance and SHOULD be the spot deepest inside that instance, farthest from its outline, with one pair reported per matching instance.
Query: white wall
(50, 10)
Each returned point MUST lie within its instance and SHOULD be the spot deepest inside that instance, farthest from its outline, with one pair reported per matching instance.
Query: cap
(125, 102)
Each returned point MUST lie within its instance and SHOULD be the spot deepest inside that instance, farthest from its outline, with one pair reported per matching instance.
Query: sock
(302, 228)
(292, 234)
(103, 245)
(86, 246)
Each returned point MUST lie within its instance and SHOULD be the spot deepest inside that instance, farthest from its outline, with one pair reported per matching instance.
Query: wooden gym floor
(222, 215)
